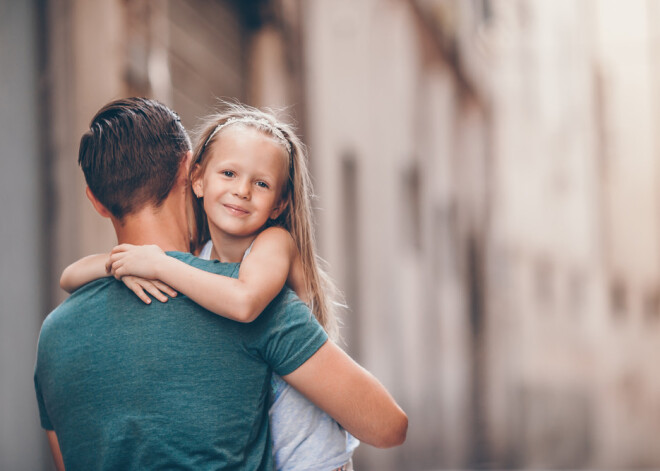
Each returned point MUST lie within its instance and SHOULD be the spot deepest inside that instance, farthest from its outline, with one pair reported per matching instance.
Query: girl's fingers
(108, 264)
(134, 286)
(155, 292)
(139, 285)
(121, 248)
(112, 260)
(118, 272)
(165, 288)
(112, 264)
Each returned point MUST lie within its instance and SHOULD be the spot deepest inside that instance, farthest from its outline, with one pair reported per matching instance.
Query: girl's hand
(137, 260)
(153, 287)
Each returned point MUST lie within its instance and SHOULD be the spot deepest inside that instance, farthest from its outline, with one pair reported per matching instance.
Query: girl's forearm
(241, 299)
(228, 297)
(83, 271)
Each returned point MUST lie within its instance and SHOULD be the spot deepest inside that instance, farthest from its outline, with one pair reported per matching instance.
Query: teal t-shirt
(130, 386)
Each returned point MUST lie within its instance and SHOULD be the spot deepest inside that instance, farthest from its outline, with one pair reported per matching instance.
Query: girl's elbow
(402, 430)
(65, 284)
(395, 432)
(246, 317)
(248, 311)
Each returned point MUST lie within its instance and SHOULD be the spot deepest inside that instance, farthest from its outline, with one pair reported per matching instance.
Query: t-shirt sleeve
(43, 414)
(292, 334)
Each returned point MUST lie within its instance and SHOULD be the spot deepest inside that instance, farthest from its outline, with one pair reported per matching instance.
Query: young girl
(251, 204)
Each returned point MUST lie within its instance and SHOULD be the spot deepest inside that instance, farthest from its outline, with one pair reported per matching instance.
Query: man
(124, 385)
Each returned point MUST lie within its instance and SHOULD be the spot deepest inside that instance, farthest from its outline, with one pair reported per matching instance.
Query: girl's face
(243, 181)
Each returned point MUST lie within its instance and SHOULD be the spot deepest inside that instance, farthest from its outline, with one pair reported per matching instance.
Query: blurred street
(487, 176)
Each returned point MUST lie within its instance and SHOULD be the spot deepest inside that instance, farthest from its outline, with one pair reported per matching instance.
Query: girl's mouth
(235, 210)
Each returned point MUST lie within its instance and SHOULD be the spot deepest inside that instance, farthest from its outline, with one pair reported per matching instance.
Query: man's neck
(163, 227)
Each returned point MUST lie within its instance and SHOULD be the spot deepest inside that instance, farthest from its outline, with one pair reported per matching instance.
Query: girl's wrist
(163, 266)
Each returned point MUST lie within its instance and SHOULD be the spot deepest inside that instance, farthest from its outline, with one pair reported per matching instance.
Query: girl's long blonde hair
(296, 218)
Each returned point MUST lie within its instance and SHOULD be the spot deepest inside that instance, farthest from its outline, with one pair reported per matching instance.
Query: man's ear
(197, 182)
(97, 204)
(184, 167)
(187, 160)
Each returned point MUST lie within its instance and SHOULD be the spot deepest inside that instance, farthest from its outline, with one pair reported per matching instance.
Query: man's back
(133, 386)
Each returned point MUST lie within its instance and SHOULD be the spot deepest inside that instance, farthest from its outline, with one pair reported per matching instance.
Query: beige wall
(574, 223)
(22, 214)
(84, 55)
(487, 182)
(531, 131)
(387, 120)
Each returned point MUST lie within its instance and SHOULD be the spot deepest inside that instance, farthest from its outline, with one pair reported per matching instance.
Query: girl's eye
(227, 173)
(262, 184)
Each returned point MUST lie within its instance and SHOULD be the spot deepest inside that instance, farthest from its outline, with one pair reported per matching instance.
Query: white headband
(254, 121)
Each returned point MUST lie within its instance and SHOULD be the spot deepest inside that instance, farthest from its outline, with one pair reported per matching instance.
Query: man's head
(132, 153)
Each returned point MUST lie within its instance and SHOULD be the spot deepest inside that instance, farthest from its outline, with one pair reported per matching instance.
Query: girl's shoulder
(275, 235)
(275, 231)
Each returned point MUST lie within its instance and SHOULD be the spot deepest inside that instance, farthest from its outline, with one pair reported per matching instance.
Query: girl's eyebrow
(264, 177)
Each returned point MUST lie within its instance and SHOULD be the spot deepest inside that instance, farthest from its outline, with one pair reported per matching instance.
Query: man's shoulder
(81, 303)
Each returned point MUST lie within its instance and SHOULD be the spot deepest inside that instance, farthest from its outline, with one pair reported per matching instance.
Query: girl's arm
(261, 277)
(93, 267)
(83, 271)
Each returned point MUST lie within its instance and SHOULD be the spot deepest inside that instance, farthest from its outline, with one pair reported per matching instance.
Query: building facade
(487, 179)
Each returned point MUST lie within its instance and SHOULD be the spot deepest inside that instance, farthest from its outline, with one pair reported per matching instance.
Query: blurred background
(487, 174)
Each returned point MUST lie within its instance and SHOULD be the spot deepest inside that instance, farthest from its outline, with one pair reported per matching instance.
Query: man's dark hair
(131, 154)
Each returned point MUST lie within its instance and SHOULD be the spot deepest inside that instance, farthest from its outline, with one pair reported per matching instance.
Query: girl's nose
(242, 189)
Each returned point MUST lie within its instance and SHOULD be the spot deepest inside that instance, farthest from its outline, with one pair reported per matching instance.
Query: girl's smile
(236, 210)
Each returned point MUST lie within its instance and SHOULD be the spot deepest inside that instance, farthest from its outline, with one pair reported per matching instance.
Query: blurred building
(490, 176)
(487, 173)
